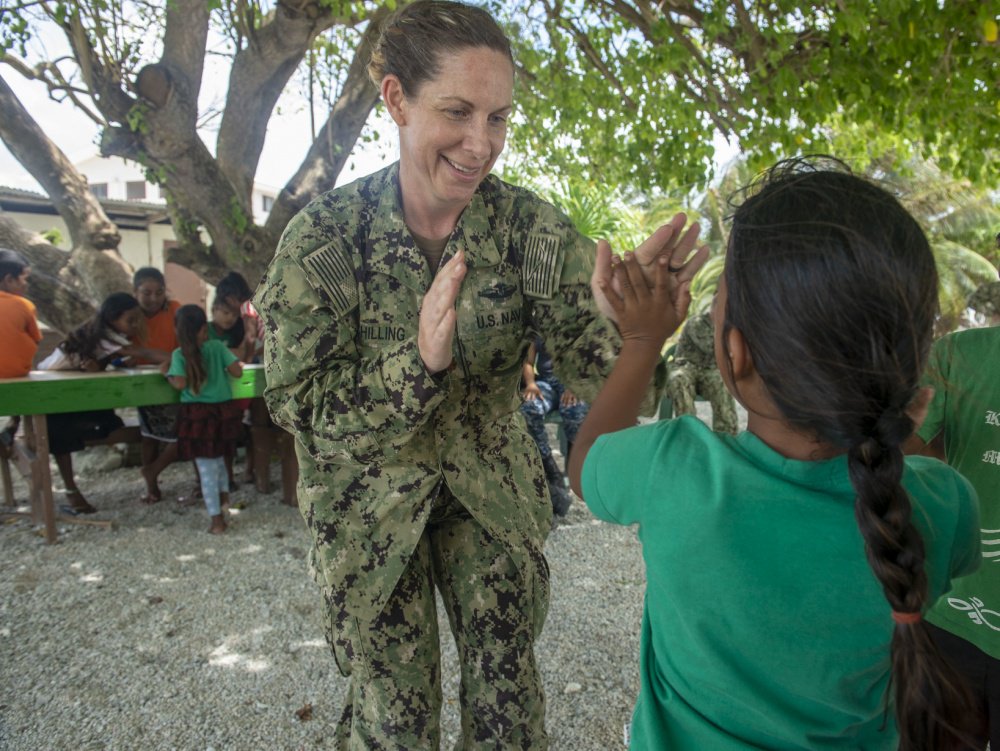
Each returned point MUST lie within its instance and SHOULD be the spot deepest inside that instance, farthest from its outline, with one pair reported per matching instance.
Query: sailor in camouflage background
(693, 372)
(398, 311)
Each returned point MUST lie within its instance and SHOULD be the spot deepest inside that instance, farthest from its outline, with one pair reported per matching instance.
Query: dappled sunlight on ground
(221, 656)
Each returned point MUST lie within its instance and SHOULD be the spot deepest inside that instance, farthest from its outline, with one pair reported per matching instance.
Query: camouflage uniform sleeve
(583, 343)
(339, 406)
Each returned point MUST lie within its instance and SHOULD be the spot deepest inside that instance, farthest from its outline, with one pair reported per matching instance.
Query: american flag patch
(332, 268)
(539, 267)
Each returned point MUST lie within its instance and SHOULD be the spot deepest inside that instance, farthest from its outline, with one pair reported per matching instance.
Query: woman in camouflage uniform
(398, 310)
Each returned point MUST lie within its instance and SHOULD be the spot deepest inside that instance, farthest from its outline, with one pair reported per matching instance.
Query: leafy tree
(614, 92)
(136, 69)
(630, 91)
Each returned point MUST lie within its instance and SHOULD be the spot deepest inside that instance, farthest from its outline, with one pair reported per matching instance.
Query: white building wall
(115, 172)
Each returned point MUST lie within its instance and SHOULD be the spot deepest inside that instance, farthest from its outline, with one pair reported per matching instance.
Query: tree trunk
(94, 265)
(59, 304)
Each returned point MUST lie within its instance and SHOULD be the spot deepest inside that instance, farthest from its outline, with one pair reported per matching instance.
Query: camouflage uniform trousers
(394, 699)
(686, 381)
(536, 410)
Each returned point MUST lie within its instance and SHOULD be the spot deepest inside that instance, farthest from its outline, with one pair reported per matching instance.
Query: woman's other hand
(437, 315)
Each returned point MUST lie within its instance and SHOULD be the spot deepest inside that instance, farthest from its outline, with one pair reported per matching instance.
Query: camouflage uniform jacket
(375, 433)
(696, 344)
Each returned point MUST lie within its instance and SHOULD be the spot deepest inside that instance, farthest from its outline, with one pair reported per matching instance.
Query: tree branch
(332, 147)
(88, 225)
(259, 74)
(105, 88)
(184, 40)
(41, 73)
(59, 304)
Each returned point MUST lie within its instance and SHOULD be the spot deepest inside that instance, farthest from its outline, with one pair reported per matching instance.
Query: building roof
(126, 214)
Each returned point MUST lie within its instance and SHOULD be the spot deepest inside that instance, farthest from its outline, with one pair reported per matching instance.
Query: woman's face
(128, 323)
(454, 128)
(151, 296)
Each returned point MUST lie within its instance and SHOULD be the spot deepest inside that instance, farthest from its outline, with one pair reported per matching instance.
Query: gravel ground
(156, 635)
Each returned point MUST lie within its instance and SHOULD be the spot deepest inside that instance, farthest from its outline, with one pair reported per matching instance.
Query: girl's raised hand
(646, 315)
(670, 245)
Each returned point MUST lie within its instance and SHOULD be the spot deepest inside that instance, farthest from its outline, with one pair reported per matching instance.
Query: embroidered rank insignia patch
(332, 271)
(539, 270)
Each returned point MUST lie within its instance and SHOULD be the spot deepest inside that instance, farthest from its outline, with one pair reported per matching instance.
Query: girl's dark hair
(12, 263)
(234, 284)
(415, 36)
(234, 335)
(834, 288)
(83, 340)
(147, 273)
(188, 322)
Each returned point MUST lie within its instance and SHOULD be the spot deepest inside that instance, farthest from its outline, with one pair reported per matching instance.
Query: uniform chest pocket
(491, 338)
(386, 317)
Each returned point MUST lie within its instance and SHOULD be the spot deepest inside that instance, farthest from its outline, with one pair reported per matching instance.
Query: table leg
(42, 478)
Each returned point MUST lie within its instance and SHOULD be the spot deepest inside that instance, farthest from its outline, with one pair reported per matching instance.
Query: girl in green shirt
(789, 568)
(209, 422)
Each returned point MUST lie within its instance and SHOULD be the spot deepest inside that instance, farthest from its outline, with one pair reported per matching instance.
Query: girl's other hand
(164, 366)
(90, 365)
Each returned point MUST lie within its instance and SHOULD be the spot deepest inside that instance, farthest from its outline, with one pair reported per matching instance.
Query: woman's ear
(394, 98)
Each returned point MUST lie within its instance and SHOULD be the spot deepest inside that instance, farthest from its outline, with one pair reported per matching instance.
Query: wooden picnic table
(46, 392)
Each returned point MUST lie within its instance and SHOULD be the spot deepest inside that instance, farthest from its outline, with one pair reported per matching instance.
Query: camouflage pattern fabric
(376, 434)
(536, 410)
(986, 299)
(693, 371)
(394, 661)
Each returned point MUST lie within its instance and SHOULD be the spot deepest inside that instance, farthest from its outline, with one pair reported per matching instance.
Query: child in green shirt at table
(209, 422)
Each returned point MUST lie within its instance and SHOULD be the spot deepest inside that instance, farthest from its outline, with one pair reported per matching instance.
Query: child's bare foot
(152, 494)
(78, 503)
(218, 525)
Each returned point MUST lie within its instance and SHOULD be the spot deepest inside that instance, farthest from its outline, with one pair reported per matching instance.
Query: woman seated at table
(90, 347)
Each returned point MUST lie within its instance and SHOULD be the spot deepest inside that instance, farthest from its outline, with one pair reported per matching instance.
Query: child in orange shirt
(18, 326)
(158, 423)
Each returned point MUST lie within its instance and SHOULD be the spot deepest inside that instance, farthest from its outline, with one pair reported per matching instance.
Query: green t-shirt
(216, 388)
(964, 370)
(763, 625)
(226, 337)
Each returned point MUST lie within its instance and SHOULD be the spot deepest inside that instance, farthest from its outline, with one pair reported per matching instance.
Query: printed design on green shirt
(991, 545)
(977, 611)
(992, 456)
